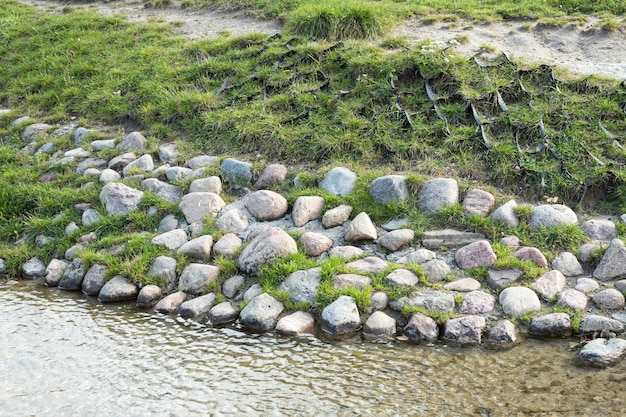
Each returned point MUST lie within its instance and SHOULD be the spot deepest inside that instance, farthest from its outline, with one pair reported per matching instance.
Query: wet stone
(261, 313)
(296, 323)
(341, 317)
(551, 325)
(402, 278)
(197, 307)
(171, 303)
(603, 352)
(503, 333)
(379, 326)
(54, 272)
(118, 288)
(421, 328)
(93, 280)
(223, 313)
(148, 296)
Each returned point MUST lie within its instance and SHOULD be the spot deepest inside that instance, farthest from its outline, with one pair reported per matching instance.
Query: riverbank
(223, 240)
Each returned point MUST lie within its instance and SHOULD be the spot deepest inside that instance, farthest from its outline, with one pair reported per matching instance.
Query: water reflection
(65, 355)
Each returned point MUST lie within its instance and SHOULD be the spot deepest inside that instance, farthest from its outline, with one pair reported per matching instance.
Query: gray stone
(266, 205)
(78, 153)
(148, 296)
(201, 161)
(116, 289)
(92, 172)
(167, 224)
(371, 264)
(306, 208)
(341, 317)
(610, 299)
(593, 323)
(178, 174)
(475, 254)
(573, 299)
(195, 277)
(505, 214)
(302, 286)
(197, 306)
(517, 301)
(361, 228)
(108, 175)
(396, 224)
(478, 202)
(421, 256)
(428, 299)
(71, 253)
(99, 163)
(93, 281)
(31, 132)
(73, 275)
(271, 174)
(421, 328)
(463, 285)
(587, 252)
(80, 134)
(438, 193)
(346, 252)
(551, 325)
(295, 324)
(43, 240)
(586, 285)
(550, 284)
(253, 291)
(261, 313)
(613, 263)
(600, 229)
(314, 244)
(339, 181)
(171, 240)
(198, 248)
(21, 121)
(209, 185)
(227, 246)
(477, 302)
(449, 238)
(102, 144)
(620, 285)
(531, 254)
(265, 245)
(196, 206)
(379, 301)
(90, 217)
(120, 199)
(231, 286)
(223, 313)
(336, 216)
(140, 165)
(134, 140)
(350, 281)
(171, 303)
(436, 270)
(503, 333)
(233, 220)
(567, 264)
(46, 148)
(396, 239)
(54, 271)
(402, 278)
(33, 268)
(379, 326)
(547, 215)
(236, 172)
(119, 162)
(601, 353)
(465, 331)
(389, 189)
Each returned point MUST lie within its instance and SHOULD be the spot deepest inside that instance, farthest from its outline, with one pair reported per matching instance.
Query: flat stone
(198, 306)
(505, 214)
(346, 252)
(396, 224)
(567, 264)
(421, 328)
(361, 228)
(438, 193)
(421, 256)
(601, 353)
(547, 215)
(477, 254)
(306, 208)
(167, 192)
(297, 323)
(573, 299)
(600, 229)
(196, 206)
(465, 331)
(315, 244)
(102, 144)
(613, 263)
(223, 313)
(531, 254)
(261, 313)
(436, 270)
(350, 281)
(227, 246)
(93, 281)
(171, 240)
(196, 277)
(389, 189)
(271, 174)
(402, 278)
(148, 296)
(116, 289)
(198, 248)
(477, 302)
(478, 202)
(449, 238)
(371, 264)
(78, 153)
(336, 216)
(463, 285)
(266, 205)
(503, 333)
(302, 285)
(517, 301)
(341, 317)
(610, 299)
(428, 299)
(171, 303)
(551, 325)
(550, 284)
(379, 326)
(339, 181)
(396, 239)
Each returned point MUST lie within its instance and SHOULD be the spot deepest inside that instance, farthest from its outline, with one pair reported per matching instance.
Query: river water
(62, 354)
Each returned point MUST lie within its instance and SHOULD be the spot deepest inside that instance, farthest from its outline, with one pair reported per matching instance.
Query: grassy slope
(292, 100)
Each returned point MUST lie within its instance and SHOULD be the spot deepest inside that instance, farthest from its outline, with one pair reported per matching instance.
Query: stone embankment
(440, 301)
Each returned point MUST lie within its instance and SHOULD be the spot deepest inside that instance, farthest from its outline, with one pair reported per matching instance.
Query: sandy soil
(584, 50)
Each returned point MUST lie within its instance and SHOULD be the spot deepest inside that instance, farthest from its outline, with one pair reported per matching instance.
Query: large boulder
(261, 313)
(341, 317)
(120, 199)
(73, 275)
(503, 333)
(265, 245)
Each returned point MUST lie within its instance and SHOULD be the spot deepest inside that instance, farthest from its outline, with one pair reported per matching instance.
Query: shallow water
(62, 354)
